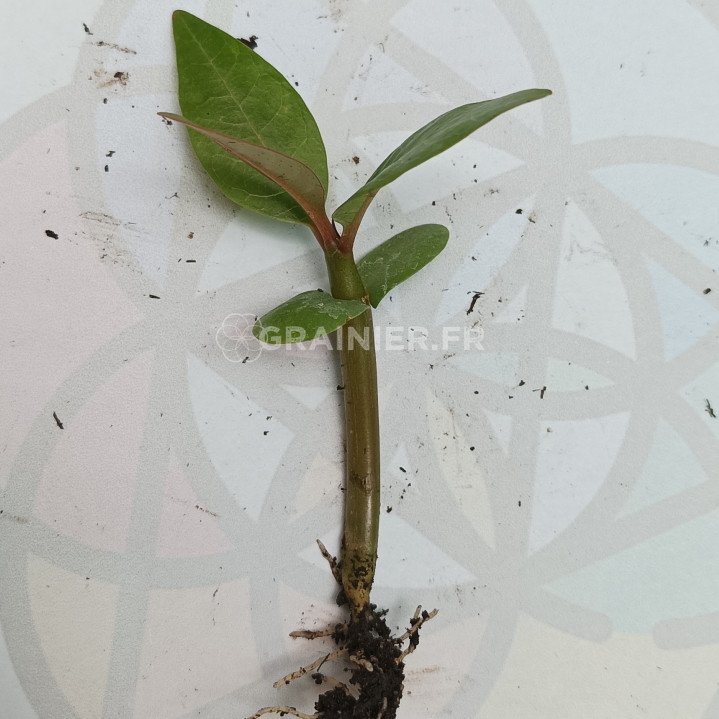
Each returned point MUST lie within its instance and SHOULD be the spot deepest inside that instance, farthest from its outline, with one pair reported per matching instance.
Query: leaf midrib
(231, 94)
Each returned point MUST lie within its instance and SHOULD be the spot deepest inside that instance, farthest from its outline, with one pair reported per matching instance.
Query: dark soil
(373, 658)
(379, 691)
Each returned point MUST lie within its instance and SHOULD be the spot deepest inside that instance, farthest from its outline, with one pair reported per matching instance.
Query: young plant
(258, 141)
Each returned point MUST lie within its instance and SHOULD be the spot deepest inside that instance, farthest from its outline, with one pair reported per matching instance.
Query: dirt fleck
(113, 46)
(355, 159)
(542, 391)
(251, 43)
(707, 290)
(104, 79)
(709, 409)
(206, 511)
(86, 29)
(51, 233)
(475, 297)
(14, 517)
(154, 297)
(57, 420)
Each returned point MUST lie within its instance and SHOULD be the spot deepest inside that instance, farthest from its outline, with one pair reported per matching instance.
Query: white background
(156, 551)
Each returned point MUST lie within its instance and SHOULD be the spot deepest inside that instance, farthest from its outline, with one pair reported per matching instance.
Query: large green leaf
(399, 258)
(289, 174)
(435, 137)
(306, 316)
(225, 86)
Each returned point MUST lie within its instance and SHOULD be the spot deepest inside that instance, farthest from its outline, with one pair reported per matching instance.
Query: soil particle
(51, 233)
(153, 297)
(104, 79)
(355, 159)
(707, 291)
(113, 46)
(475, 297)
(86, 29)
(251, 43)
(57, 421)
(709, 409)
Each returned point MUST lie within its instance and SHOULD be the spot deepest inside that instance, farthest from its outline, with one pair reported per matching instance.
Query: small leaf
(306, 316)
(399, 258)
(226, 86)
(289, 174)
(432, 139)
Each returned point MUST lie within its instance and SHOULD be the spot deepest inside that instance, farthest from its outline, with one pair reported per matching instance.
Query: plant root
(412, 634)
(374, 659)
(332, 561)
(309, 634)
(309, 668)
(282, 711)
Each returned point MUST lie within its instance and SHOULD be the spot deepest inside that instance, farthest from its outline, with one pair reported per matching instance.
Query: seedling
(258, 141)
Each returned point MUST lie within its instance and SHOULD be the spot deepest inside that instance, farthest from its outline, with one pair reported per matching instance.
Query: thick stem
(362, 488)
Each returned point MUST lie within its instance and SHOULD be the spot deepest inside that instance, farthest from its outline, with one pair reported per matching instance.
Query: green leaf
(289, 174)
(435, 137)
(306, 316)
(399, 258)
(226, 86)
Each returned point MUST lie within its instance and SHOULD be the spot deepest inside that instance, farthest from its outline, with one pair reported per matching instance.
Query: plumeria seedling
(259, 142)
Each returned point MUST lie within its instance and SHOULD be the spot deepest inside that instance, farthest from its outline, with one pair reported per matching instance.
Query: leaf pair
(260, 143)
(315, 313)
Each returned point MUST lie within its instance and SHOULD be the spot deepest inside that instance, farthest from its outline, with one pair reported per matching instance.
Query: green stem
(362, 489)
